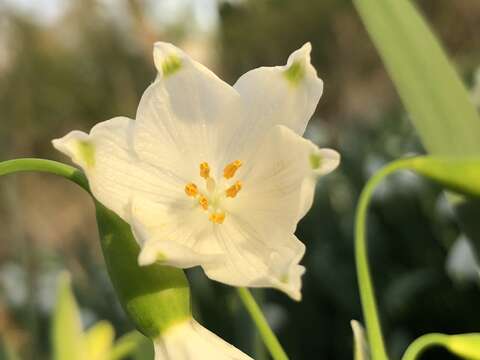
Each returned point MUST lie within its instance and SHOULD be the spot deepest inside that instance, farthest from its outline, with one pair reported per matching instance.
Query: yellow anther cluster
(233, 190)
(191, 189)
(217, 217)
(231, 169)
(210, 199)
(204, 170)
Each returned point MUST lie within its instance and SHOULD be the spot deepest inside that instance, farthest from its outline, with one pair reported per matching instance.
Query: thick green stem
(367, 295)
(268, 336)
(423, 343)
(46, 166)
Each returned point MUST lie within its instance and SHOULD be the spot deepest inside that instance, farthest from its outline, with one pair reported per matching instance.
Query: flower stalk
(416, 348)
(266, 333)
(367, 294)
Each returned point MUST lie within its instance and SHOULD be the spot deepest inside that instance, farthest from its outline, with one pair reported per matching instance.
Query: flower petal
(167, 241)
(191, 341)
(322, 161)
(184, 117)
(114, 172)
(285, 95)
(279, 182)
(257, 257)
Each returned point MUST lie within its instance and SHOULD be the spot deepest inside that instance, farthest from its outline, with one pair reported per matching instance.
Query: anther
(203, 201)
(191, 189)
(217, 218)
(230, 170)
(233, 190)
(204, 170)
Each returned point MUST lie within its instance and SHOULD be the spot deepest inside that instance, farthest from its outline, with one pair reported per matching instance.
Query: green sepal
(155, 297)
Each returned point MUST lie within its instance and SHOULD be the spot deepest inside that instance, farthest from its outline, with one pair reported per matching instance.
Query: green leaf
(68, 341)
(465, 345)
(128, 344)
(155, 297)
(431, 90)
(359, 341)
(461, 175)
(99, 340)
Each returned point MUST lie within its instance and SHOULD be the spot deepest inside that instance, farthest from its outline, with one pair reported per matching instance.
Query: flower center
(211, 200)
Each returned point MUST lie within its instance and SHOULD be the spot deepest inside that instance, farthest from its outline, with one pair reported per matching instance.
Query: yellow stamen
(217, 218)
(233, 190)
(203, 201)
(231, 169)
(191, 189)
(204, 170)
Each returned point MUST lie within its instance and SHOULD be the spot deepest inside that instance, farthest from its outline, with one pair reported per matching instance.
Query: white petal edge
(104, 155)
(161, 249)
(114, 172)
(253, 258)
(328, 161)
(191, 341)
(270, 99)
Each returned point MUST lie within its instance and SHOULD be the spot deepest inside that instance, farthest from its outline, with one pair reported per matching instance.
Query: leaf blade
(428, 84)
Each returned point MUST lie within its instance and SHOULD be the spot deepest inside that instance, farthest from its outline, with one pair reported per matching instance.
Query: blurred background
(68, 64)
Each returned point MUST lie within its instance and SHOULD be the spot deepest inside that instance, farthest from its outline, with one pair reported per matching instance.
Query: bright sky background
(166, 11)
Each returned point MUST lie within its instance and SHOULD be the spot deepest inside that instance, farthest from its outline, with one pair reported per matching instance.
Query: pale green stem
(421, 344)
(268, 337)
(47, 166)
(367, 295)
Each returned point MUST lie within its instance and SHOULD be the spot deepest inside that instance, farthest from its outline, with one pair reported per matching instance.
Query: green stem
(268, 337)
(423, 343)
(47, 166)
(367, 295)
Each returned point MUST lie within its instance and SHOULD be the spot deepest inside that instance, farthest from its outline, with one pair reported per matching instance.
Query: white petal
(114, 172)
(165, 246)
(191, 341)
(257, 257)
(172, 253)
(171, 236)
(184, 118)
(279, 183)
(322, 161)
(276, 95)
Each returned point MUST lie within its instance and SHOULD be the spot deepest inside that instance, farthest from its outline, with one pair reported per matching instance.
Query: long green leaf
(99, 340)
(67, 337)
(431, 90)
(129, 344)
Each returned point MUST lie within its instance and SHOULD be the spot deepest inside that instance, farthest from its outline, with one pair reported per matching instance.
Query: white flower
(190, 340)
(213, 175)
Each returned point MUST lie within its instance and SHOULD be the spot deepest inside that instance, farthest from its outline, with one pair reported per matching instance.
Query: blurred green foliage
(89, 66)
